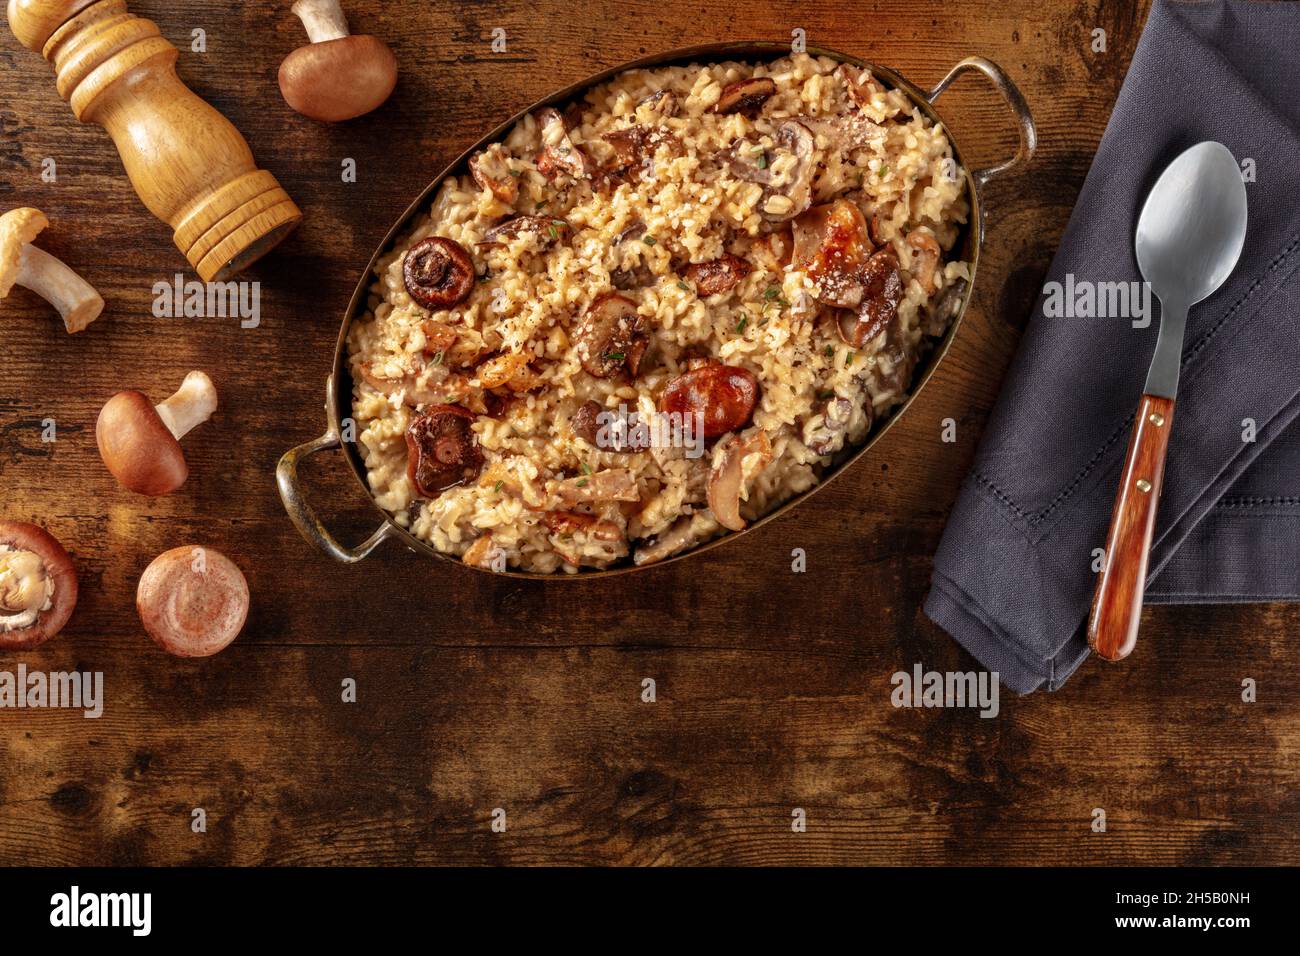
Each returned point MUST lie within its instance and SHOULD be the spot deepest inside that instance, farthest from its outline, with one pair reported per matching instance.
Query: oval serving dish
(338, 391)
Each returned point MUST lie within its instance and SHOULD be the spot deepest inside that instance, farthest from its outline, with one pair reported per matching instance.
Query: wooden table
(477, 693)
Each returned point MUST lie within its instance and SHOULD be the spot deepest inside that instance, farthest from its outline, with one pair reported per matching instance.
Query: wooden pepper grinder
(187, 162)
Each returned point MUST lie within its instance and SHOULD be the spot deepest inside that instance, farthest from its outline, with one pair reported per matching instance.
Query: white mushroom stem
(192, 405)
(324, 19)
(58, 285)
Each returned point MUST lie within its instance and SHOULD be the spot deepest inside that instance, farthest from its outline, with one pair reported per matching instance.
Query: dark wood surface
(477, 692)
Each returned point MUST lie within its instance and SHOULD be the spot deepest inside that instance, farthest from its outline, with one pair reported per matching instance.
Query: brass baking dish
(338, 387)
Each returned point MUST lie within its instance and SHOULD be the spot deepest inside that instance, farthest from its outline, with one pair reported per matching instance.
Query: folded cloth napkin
(1014, 573)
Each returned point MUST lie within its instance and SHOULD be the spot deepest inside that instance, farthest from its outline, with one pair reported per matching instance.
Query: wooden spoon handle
(1117, 607)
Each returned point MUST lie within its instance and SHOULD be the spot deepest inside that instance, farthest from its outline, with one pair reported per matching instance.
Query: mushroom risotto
(643, 321)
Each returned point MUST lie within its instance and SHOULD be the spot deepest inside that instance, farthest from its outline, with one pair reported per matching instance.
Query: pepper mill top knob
(34, 21)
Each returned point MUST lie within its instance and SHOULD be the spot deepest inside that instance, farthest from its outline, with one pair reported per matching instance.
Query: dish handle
(1015, 100)
(301, 513)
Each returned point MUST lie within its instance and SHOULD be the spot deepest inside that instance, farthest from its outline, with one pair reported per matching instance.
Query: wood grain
(1117, 605)
(476, 693)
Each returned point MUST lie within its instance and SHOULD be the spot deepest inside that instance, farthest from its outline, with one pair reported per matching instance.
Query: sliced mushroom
(727, 478)
(683, 533)
(510, 369)
(549, 229)
(480, 553)
(38, 586)
(745, 96)
(635, 147)
(491, 170)
(723, 395)
(925, 258)
(438, 273)
(717, 275)
(824, 433)
(846, 131)
(831, 246)
(559, 155)
(661, 102)
(863, 91)
(612, 484)
(607, 431)
(900, 355)
(882, 287)
(442, 451)
(786, 172)
(605, 336)
(575, 522)
(944, 308)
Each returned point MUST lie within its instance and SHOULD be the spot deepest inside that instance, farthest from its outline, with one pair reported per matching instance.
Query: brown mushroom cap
(28, 584)
(442, 450)
(137, 447)
(745, 96)
(338, 79)
(192, 601)
(604, 338)
(438, 273)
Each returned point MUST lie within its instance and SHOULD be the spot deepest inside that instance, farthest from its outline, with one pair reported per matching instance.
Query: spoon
(1189, 237)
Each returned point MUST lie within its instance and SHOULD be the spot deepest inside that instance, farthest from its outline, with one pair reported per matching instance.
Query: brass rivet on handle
(1143, 485)
(1155, 418)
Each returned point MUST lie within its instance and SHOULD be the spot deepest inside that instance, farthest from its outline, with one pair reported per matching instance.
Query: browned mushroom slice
(438, 273)
(826, 435)
(785, 172)
(607, 431)
(683, 533)
(831, 246)
(725, 395)
(604, 337)
(577, 522)
(491, 170)
(745, 96)
(882, 291)
(442, 451)
(727, 478)
(510, 369)
(548, 229)
(944, 308)
(717, 275)
(636, 353)
(662, 102)
(635, 146)
(560, 156)
(846, 131)
(862, 88)
(612, 484)
(925, 258)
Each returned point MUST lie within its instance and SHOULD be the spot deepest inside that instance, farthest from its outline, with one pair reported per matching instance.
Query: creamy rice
(704, 184)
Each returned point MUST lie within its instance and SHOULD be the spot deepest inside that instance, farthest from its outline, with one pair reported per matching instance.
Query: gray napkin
(1013, 576)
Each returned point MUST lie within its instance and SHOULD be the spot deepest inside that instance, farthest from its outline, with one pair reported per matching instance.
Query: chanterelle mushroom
(192, 601)
(337, 76)
(38, 585)
(21, 263)
(140, 444)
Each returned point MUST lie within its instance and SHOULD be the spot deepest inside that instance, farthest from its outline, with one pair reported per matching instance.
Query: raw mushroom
(192, 601)
(438, 273)
(724, 395)
(607, 333)
(727, 477)
(337, 76)
(882, 291)
(21, 263)
(745, 96)
(140, 444)
(38, 586)
(442, 450)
